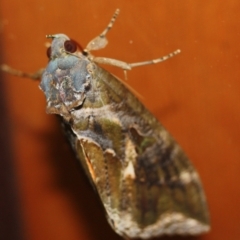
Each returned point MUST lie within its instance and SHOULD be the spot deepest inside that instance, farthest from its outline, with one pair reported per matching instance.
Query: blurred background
(196, 95)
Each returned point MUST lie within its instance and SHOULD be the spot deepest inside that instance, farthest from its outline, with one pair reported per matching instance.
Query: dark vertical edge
(10, 210)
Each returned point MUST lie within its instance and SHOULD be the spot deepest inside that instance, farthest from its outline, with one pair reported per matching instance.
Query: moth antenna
(35, 76)
(101, 40)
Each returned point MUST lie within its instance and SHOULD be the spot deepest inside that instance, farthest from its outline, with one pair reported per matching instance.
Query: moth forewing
(146, 183)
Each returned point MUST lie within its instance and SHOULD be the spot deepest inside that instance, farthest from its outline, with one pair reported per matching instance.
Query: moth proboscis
(147, 185)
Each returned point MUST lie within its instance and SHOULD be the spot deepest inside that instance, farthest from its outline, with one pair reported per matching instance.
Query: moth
(146, 183)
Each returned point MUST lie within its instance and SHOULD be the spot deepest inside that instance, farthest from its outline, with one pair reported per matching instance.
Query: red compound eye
(49, 51)
(70, 46)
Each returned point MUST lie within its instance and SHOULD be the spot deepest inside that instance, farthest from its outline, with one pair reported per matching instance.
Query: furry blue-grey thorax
(65, 79)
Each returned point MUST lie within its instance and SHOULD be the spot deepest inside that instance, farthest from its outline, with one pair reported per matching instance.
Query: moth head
(62, 45)
(66, 79)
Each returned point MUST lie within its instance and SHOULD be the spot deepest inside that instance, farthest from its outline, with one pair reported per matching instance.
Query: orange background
(196, 95)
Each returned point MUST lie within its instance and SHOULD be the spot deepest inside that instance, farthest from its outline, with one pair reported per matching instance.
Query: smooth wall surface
(196, 95)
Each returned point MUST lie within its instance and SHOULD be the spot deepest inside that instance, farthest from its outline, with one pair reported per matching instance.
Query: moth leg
(113, 62)
(155, 61)
(35, 76)
(129, 66)
(101, 40)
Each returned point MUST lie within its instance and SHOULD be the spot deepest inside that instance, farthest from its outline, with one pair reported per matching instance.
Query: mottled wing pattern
(146, 183)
